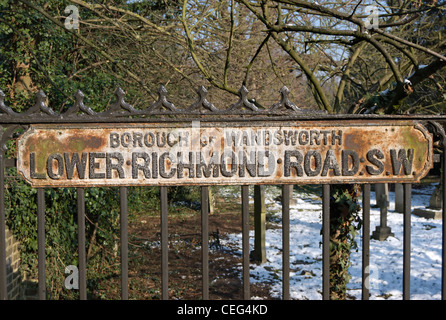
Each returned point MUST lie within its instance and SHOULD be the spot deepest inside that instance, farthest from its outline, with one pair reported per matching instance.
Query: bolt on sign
(218, 153)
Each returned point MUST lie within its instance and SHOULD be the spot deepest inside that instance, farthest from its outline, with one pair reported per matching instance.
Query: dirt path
(184, 257)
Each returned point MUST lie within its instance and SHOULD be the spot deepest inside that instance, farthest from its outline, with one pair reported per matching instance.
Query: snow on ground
(386, 257)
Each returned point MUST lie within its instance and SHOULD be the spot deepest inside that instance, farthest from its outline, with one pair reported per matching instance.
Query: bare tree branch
(90, 43)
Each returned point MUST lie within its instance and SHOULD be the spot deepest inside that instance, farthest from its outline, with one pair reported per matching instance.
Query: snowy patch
(386, 257)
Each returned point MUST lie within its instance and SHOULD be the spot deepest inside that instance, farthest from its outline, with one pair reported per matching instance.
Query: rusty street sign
(221, 153)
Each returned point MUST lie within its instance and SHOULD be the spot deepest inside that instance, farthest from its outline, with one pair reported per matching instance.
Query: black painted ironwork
(162, 109)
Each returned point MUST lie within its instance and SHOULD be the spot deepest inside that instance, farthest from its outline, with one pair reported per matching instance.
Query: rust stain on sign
(221, 153)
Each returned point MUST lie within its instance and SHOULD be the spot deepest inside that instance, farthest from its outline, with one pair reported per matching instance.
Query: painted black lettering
(278, 139)
(161, 141)
(297, 165)
(114, 139)
(154, 165)
(232, 164)
(250, 165)
(262, 172)
(75, 162)
(314, 137)
(60, 166)
(93, 165)
(336, 137)
(256, 138)
(350, 156)
(331, 163)
(32, 168)
(136, 167)
(308, 167)
(325, 136)
(232, 138)
(149, 139)
(205, 169)
(403, 159)
(303, 137)
(137, 139)
(183, 137)
(245, 138)
(182, 165)
(114, 166)
(126, 139)
(373, 156)
(172, 139)
(267, 137)
(290, 136)
(166, 161)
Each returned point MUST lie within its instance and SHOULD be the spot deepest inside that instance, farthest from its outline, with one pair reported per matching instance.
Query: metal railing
(121, 112)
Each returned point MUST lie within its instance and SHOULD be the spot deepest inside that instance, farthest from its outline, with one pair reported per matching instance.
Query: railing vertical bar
(245, 241)
(326, 242)
(41, 243)
(3, 285)
(164, 245)
(286, 194)
(205, 241)
(124, 244)
(365, 242)
(406, 240)
(81, 243)
(443, 247)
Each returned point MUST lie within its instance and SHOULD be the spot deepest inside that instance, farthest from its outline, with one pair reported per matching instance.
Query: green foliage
(36, 54)
(344, 226)
(61, 242)
(102, 214)
(143, 200)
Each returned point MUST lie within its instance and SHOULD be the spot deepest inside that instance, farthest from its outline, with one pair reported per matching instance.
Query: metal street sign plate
(224, 153)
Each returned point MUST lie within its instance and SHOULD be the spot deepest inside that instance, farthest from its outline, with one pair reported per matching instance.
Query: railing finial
(4, 107)
(202, 101)
(243, 101)
(285, 101)
(162, 102)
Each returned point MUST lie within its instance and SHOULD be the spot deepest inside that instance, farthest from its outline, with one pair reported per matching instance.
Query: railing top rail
(164, 111)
